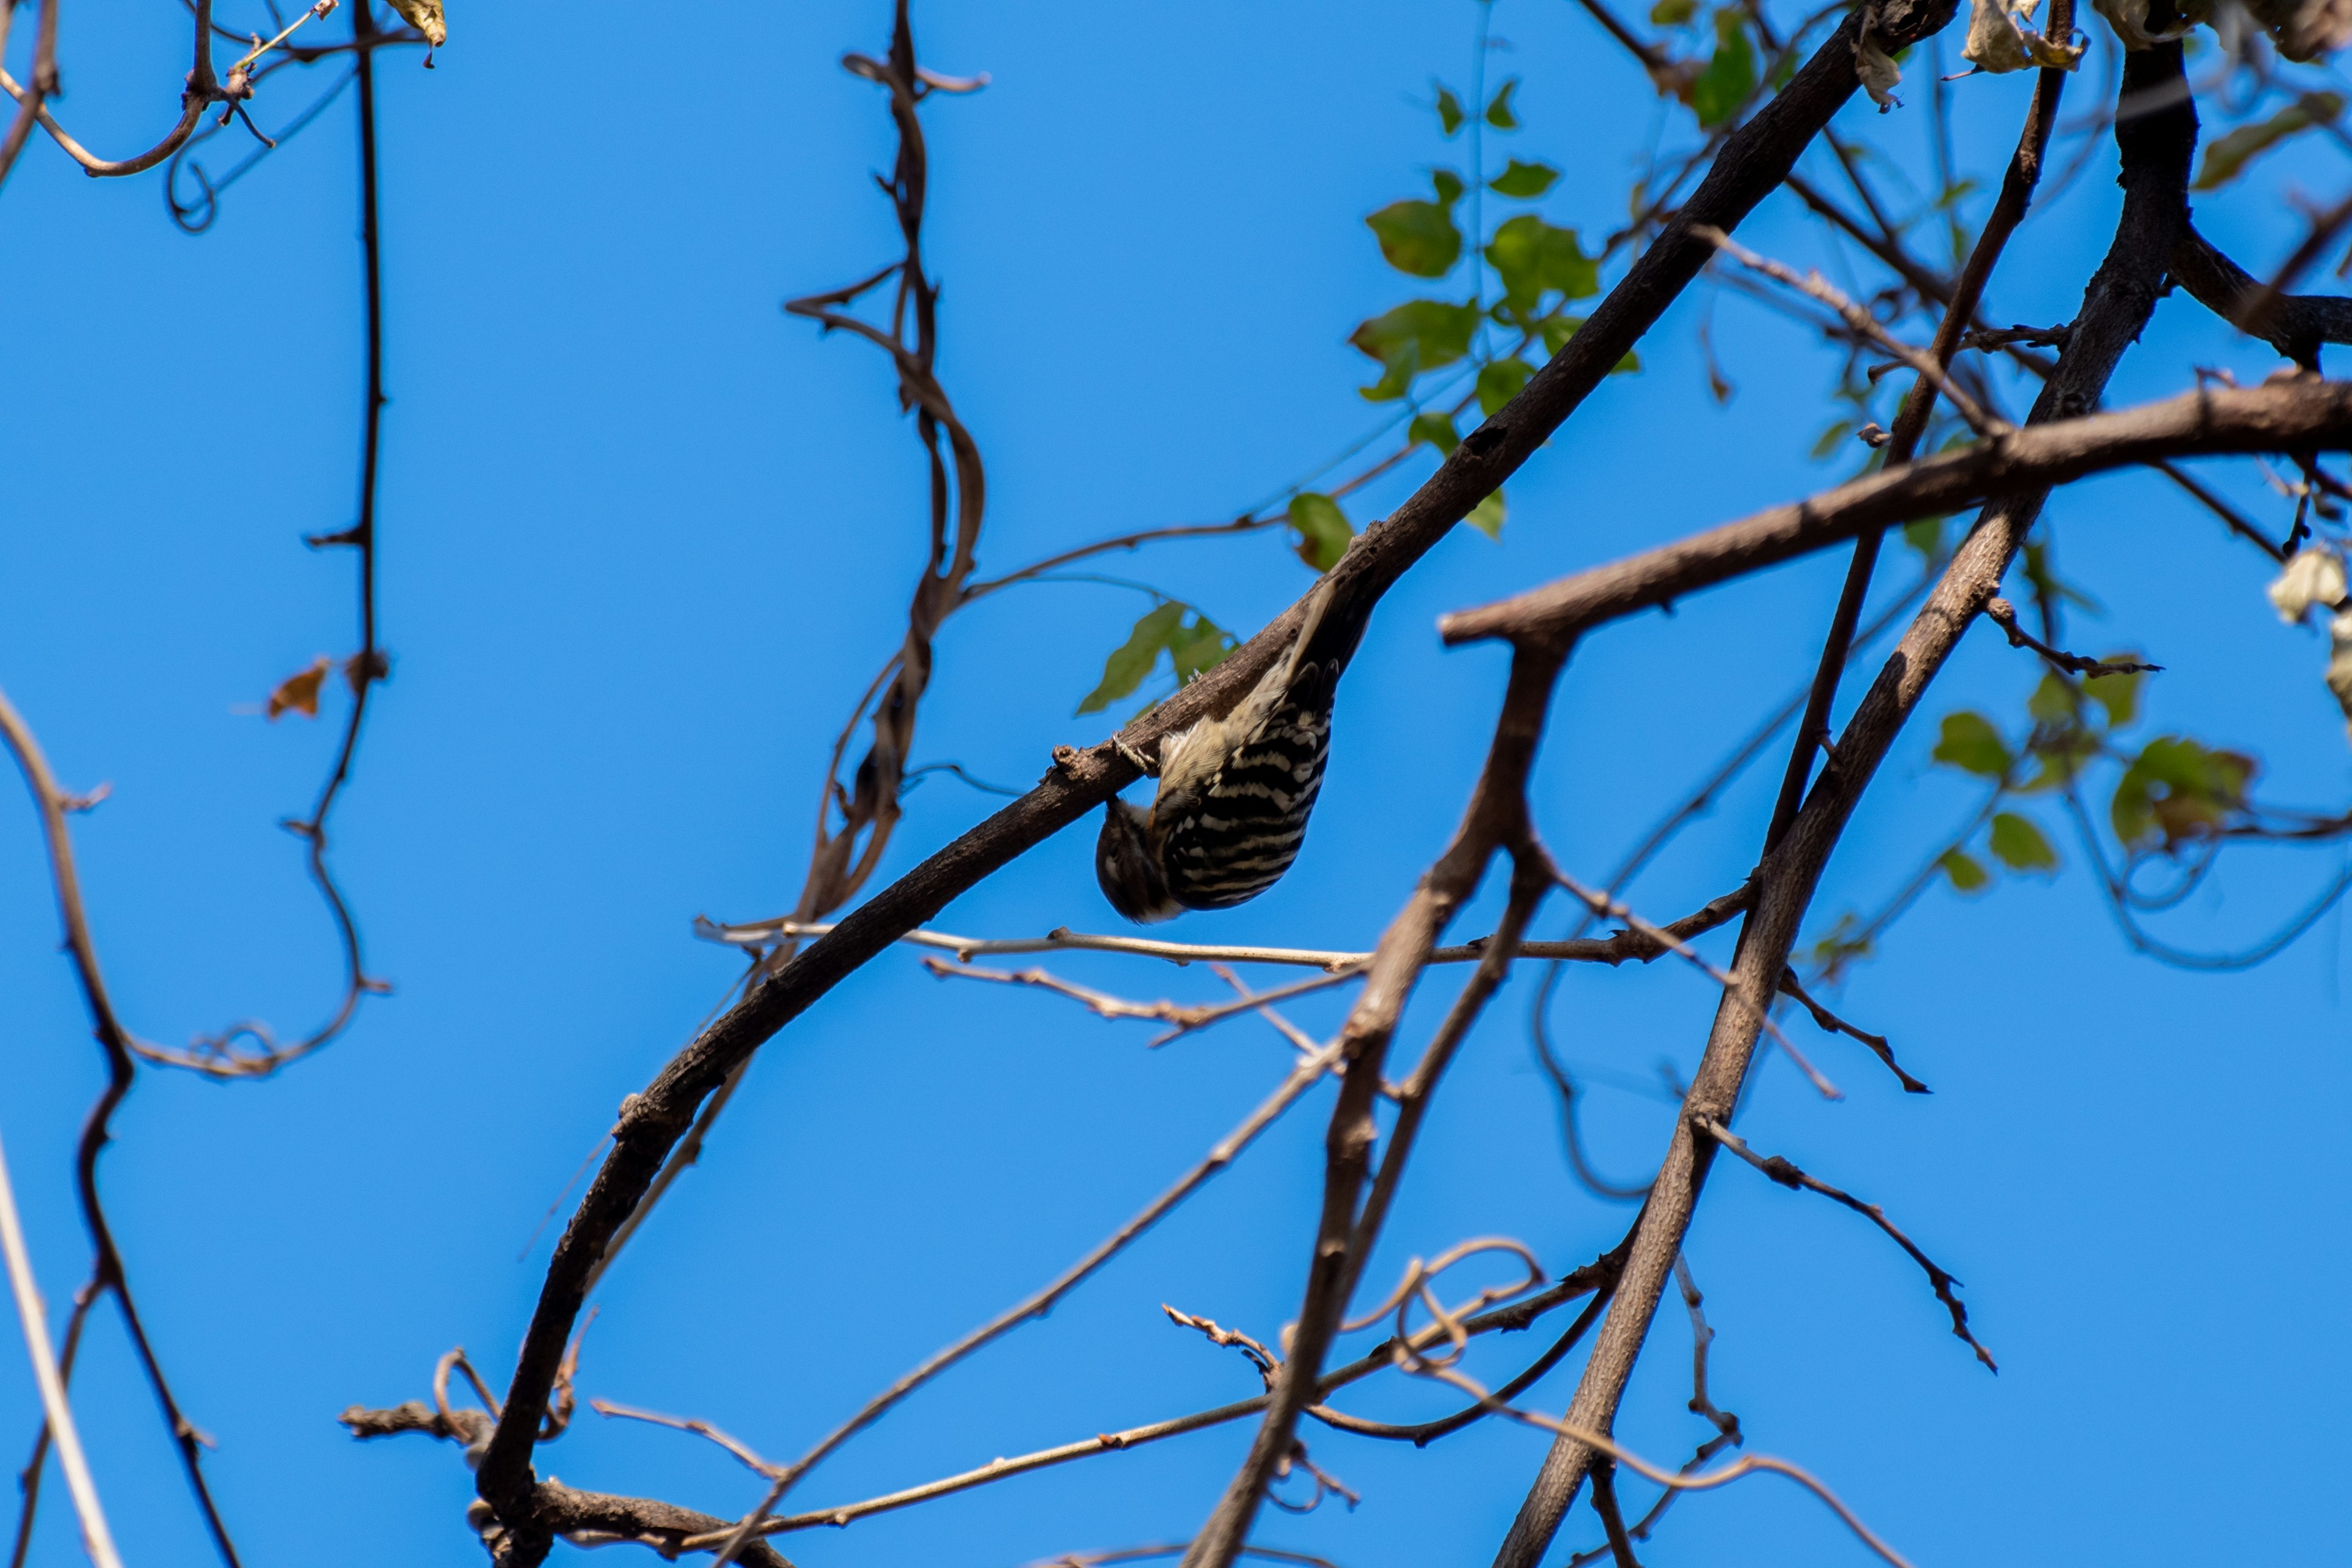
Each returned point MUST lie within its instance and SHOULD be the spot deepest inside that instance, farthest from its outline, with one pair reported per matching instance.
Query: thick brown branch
(2300, 415)
(2157, 149)
(2295, 324)
(1751, 164)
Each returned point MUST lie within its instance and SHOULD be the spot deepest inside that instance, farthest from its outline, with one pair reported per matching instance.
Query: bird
(1235, 789)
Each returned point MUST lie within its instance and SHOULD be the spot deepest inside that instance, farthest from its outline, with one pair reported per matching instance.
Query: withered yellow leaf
(299, 693)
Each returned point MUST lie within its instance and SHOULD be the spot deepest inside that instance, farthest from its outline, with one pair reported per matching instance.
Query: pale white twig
(760, 933)
(259, 48)
(96, 1539)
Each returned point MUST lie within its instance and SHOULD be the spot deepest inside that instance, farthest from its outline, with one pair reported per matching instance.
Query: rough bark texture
(2295, 324)
(1750, 165)
(2157, 149)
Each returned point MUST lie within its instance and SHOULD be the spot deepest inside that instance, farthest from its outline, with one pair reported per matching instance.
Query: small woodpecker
(1235, 789)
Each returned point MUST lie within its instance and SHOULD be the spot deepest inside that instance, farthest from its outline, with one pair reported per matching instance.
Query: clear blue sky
(644, 540)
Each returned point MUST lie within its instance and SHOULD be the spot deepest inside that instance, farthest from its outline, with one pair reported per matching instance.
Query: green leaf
(1967, 876)
(1486, 517)
(2060, 752)
(1130, 662)
(1730, 74)
(1970, 743)
(1532, 256)
(1557, 329)
(1499, 381)
(1831, 439)
(1927, 537)
(2178, 789)
(1417, 237)
(1447, 184)
(1449, 110)
(1841, 947)
(2053, 702)
(1524, 180)
(1322, 528)
(2118, 694)
(2039, 572)
(1437, 430)
(1198, 647)
(2019, 845)
(1672, 12)
(1418, 335)
(2226, 158)
(1498, 108)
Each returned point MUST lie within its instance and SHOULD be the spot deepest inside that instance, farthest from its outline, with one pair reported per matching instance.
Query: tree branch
(2300, 415)
(2157, 149)
(1753, 161)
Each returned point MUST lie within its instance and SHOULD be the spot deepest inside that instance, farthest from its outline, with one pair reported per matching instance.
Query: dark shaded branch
(107, 1274)
(2303, 414)
(2295, 324)
(1830, 1022)
(1752, 162)
(1790, 1176)
(2003, 614)
(1911, 419)
(2157, 149)
(1496, 819)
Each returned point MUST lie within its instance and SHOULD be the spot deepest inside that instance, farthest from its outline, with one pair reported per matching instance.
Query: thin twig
(1814, 286)
(1790, 1176)
(96, 1539)
(2003, 614)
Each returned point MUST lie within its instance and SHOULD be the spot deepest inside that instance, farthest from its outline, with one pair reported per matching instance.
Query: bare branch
(2003, 614)
(2289, 415)
(96, 1539)
(1790, 1176)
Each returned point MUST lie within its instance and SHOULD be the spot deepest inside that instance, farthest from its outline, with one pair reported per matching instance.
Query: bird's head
(1127, 864)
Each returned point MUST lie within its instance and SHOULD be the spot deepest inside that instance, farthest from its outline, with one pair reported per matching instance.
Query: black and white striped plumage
(1235, 791)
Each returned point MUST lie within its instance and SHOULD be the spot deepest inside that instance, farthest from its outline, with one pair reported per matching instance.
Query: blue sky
(644, 538)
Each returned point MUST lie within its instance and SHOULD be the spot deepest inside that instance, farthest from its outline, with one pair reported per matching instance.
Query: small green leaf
(1967, 876)
(2053, 702)
(1672, 12)
(1927, 537)
(1557, 329)
(1198, 647)
(1730, 74)
(1130, 662)
(1498, 108)
(2118, 694)
(1419, 237)
(2019, 845)
(2178, 789)
(1322, 528)
(2044, 575)
(1499, 381)
(1970, 743)
(1486, 517)
(1832, 439)
(1524, 180)
(1447, 184)
(1437, 430)
(1418, 335)
(2061, 751)
(2226, 158)
(1449, 110)
(1532, 256)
